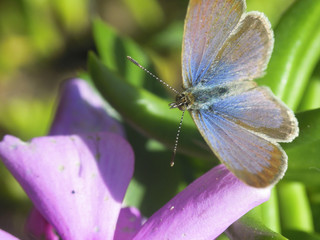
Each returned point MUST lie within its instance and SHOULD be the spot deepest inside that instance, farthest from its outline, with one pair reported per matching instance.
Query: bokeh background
(44, 42)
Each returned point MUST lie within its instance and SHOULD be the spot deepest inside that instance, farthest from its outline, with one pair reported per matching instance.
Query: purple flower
(77, 183)
(82, 110)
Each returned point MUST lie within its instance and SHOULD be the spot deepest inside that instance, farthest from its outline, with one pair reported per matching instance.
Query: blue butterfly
(224, 48)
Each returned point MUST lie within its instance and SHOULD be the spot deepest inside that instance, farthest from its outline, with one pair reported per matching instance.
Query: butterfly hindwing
(253, 159)
(258, 111)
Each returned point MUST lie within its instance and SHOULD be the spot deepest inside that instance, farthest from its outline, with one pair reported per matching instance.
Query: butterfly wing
(253, 159)
(224, 47)
(208, 24)
(245, 54)
(218, 47)
(258, 111)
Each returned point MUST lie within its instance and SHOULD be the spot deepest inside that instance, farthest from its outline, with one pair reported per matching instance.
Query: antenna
(176, 142)
(151, 74)
(172, 105)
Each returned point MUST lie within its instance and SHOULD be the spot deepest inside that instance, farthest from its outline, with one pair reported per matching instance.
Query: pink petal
(6, 236)
(76, 182)
(129, 223)
(82, 110)
(204, 209)
(38, 227)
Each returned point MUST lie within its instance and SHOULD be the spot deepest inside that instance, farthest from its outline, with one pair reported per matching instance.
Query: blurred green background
(43, 42)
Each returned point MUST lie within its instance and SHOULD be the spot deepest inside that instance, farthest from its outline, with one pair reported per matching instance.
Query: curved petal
(37, 227)
(204, 209)
(6, 236)
(82, 110)
(76, 182)
(129, 222)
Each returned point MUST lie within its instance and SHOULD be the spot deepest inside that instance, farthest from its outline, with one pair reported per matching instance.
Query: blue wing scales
(207, 26)
(255, 160)
(222, 45)
(245, 54)
(260, 112)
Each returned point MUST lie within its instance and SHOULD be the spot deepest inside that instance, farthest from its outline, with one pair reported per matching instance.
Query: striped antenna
(174, 90)
(151, 74)
(176, 142)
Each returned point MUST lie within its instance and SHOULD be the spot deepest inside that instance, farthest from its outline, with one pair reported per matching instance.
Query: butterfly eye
(182, 102)
(180, 98)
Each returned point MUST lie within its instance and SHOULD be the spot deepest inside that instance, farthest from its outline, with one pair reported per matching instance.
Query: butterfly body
(204, 97)
(224, 49)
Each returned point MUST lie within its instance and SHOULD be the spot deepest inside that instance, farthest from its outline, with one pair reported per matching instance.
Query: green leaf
(294, 208)
(311, 98)
(314, 198)
(222, 237)
(270, 215)
(272, 8)
(249, 227)
(298, 235)
(296, 52)
(114, 50)
(303, 153)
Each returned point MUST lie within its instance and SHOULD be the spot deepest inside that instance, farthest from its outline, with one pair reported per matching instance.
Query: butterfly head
(183, 101)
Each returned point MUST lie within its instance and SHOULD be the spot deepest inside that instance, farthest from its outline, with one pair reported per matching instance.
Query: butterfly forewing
(245, 54)
(207, 26)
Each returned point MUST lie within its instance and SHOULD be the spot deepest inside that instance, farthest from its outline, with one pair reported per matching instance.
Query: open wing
(208, 24)
(245, 54)
(260, 112)
(253, 159)
(218, 47)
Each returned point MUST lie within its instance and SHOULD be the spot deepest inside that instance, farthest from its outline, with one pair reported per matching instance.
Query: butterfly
(224, 49)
